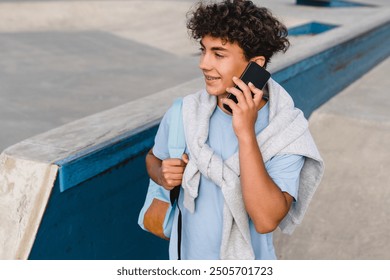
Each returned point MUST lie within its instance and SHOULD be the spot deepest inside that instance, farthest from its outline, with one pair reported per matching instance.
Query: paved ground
(63, 60)
(349, 215)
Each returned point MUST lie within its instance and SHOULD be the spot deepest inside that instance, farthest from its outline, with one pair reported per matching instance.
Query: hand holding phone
(253, 73)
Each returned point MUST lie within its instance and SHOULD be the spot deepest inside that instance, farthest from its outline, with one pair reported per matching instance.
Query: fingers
(245, 92)
(171, 184)
(233, 105)
(173, 162)
(258, 93)
(171, 180)
(172, 170)
(249, 97)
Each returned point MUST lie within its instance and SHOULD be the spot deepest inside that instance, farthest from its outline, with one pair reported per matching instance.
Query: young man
(242, 173)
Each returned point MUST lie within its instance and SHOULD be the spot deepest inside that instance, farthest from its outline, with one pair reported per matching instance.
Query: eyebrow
(214, 48)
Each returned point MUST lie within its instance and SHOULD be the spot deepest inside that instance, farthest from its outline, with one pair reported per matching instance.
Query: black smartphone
(253, 73)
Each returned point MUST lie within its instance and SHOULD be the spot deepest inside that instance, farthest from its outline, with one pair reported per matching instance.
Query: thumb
(184, 157)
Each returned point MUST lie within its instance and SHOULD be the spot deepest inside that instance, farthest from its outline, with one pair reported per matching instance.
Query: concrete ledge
(83, 150)
(330, 39)
(73, 153)
(25, 188)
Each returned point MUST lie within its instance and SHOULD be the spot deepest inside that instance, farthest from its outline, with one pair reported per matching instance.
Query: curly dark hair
(254, 28)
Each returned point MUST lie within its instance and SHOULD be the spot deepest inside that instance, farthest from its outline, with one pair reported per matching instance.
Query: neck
(220, 104)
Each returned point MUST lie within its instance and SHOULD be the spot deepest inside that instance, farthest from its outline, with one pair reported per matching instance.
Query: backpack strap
(176, 138)
(176, 146)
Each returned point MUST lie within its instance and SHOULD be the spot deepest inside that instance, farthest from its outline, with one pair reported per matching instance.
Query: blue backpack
(157, 214)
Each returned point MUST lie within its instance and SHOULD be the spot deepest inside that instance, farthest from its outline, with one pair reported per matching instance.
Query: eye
(219, 55)
(202, 50)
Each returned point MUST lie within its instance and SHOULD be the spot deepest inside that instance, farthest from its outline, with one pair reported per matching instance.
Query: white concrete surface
(25, 187)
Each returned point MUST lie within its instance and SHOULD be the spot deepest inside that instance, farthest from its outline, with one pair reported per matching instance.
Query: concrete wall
(91, 212)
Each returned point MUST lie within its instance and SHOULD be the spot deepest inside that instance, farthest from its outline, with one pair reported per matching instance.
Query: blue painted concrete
(86, 164)
(93, 210)
(98, 218)
(311, 28)
(330, 3)
(314, 80)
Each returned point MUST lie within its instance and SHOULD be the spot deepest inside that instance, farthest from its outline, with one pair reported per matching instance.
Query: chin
(214, 91)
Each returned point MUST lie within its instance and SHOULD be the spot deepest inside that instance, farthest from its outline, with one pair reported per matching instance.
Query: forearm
(153, 167)
(265, 203)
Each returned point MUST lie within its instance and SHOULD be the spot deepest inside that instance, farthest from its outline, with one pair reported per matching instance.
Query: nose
(204, 62)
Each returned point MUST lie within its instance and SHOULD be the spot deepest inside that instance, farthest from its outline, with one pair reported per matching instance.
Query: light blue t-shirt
(202, 230)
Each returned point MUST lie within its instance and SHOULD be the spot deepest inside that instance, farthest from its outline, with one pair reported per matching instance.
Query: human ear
(259, 60)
